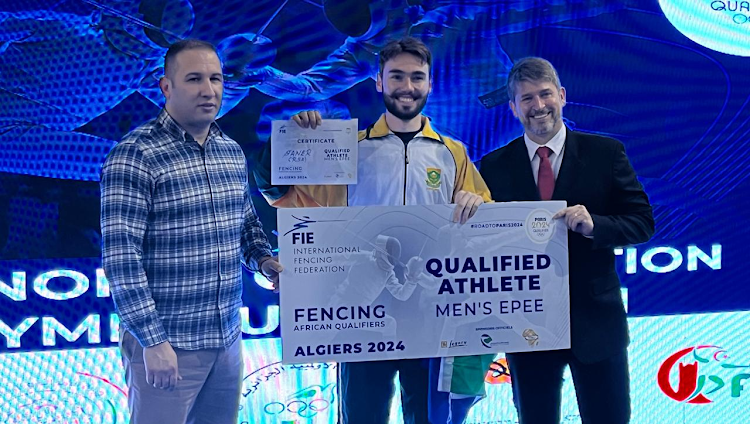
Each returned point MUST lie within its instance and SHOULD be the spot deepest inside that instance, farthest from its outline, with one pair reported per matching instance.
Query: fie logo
(300, 236)
(304, 222)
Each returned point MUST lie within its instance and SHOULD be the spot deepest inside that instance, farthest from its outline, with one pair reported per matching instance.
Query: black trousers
(602, 388)
(366, 389)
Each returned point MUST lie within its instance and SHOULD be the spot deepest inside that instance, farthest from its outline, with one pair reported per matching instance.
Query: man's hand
(578, 219)
(270, 268)
(161, 366)
(308, 119)
(466, 206)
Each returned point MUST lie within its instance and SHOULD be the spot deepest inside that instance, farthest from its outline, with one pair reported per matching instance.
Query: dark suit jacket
(596, 173)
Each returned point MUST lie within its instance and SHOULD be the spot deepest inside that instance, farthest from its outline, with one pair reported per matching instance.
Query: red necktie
(545, 177)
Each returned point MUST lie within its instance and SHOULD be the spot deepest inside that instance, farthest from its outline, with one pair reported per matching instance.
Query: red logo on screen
(498, 372)
(694, 384)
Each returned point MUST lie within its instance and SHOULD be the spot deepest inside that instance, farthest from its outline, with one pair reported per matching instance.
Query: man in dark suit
(607, 207)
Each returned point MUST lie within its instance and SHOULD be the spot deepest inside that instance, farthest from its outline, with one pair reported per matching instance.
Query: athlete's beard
(391, 104)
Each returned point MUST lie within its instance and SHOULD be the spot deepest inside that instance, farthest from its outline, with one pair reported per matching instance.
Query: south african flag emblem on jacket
(433, 178)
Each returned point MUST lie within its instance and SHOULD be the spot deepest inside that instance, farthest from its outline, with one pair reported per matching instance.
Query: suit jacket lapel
(570, 169)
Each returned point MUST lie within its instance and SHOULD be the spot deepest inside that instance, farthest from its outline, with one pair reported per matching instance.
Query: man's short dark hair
(531, 69)
(182, 45)
(408, 45)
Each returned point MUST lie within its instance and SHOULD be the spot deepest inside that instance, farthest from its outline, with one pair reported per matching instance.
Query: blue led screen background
(76, 75)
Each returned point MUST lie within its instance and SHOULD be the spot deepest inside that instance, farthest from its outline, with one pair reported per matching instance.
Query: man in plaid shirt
(176, 220)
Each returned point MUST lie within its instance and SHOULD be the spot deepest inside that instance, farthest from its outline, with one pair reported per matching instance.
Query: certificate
(324, 155)
(394, 282)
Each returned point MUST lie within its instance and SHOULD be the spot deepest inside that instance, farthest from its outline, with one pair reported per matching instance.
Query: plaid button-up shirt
(176, 220)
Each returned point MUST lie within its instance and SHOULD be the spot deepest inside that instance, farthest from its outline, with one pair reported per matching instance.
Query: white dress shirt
(556, 144)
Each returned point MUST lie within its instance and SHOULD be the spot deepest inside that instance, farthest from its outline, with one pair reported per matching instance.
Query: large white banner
(374, 283)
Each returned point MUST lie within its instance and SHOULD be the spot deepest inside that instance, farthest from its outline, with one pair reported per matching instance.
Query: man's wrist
(159, 344)
(150, 334)
(261, 261)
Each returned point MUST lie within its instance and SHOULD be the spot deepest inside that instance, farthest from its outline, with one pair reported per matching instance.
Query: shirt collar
(380, 129)
(174, 129)
(555, 144)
